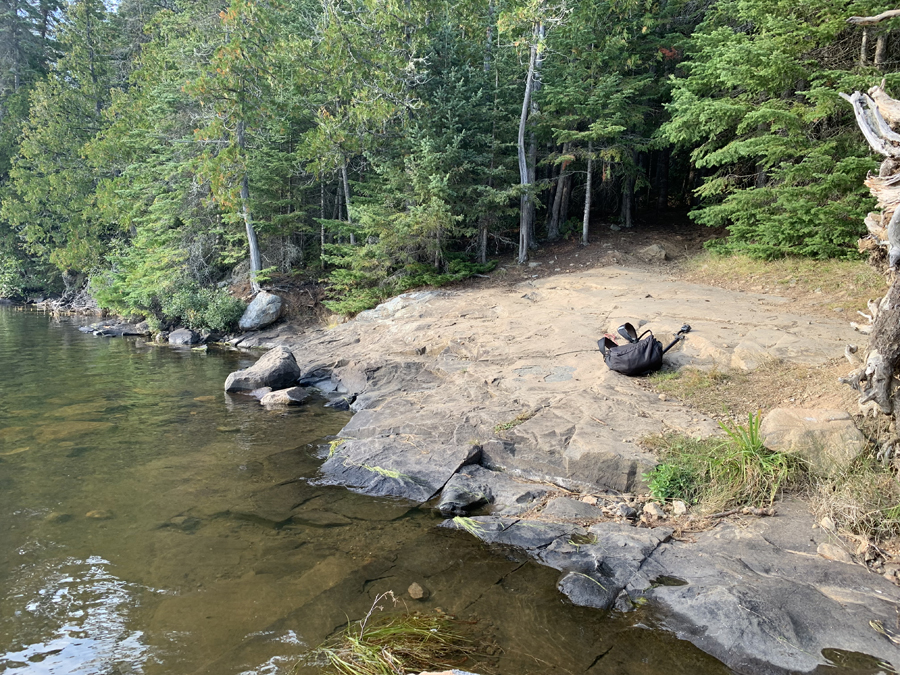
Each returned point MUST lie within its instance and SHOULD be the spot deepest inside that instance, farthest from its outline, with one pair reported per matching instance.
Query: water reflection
(81, 610)
(150, 523)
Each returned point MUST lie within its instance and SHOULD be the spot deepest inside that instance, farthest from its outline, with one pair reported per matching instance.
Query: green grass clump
(397, 644)
(720, 473)
(514, 422)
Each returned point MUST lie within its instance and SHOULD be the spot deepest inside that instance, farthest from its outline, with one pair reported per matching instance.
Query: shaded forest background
(161, 152)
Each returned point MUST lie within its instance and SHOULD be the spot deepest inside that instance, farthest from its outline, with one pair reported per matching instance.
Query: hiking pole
(679, 336)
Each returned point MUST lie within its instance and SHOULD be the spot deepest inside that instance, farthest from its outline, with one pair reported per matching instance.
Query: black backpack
(641, 355)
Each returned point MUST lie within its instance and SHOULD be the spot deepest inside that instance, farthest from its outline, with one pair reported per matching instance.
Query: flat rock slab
(758, 597)
(517, 371)
(474, 486)
(394, 467)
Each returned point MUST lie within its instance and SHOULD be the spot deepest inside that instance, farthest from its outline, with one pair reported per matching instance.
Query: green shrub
(721, 473)
(198, 308)
(11, 285)
(364, 280)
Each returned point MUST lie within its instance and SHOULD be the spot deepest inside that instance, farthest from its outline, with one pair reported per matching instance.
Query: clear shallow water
(149, 523)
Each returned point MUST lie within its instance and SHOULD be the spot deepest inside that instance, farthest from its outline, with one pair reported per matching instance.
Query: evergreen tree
(759, 112)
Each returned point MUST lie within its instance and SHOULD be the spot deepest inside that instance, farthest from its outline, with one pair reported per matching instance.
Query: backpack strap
(627, 331)
(604, 344)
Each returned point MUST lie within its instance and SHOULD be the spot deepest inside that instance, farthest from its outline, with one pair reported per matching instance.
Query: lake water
(150, 523)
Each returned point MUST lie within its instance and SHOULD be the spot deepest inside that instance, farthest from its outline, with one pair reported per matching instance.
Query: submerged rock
(263, 310)
(285, 397)
(276, 368)
(392, 467)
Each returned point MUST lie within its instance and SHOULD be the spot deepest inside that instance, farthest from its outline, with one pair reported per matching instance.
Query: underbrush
(397, 644)
(363, 280)
(720, 473)
(863, 501)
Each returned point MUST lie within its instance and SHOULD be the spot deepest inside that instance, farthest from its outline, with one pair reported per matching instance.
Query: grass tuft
(514, 422)
(471, 526)
(397, 644)
(864, 501)
(721, 473)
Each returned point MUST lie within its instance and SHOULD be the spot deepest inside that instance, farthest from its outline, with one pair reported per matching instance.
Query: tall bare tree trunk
(347, 199)
(585, 222)
(561, 186)
(881, 49)
(322, 222)
(525, 198)
(864, 48)
(255, 262)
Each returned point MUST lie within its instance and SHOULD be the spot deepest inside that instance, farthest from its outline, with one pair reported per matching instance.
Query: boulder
(276, 368)
(827, 439)
(652, 254)
(183, 336)
(263, 310)
(285, 397)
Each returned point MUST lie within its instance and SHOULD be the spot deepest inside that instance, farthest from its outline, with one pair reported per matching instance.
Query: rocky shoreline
(495, 407)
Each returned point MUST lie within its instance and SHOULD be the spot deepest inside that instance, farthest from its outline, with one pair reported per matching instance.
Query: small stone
(57, 517)
(624, 510)
(663, 397)
(416, 592)
(679, 508)
(588, 499)
(827, 524)
(99, 514)
(653, 510)
(833, 552)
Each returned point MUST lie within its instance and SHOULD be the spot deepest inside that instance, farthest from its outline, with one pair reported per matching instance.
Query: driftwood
(872, 20)
(875, 375)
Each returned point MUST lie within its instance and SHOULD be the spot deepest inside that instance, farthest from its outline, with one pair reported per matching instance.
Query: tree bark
(556, 210)
(255, 261)
(864, 48)
(585, 222)
(525, 198)
(881, 50)
(876, 377)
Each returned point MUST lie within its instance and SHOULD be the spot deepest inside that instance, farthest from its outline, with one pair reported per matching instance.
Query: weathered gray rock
(262, 311)
(827, 439)
(285, 397)
(276, 368)
(183, 336)
(597, 563)
(391, 466)
(529, 535)
(756, 596)
(653, 253)
(475, 486)
(115, 328)
(564, 508)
